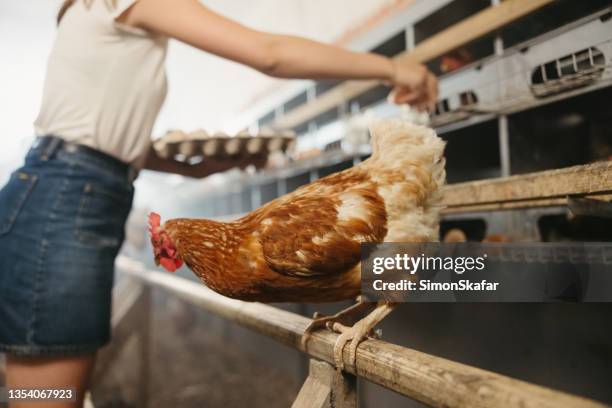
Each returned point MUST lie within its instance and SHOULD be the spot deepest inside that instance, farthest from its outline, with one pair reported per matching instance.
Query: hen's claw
(319, 322)
(347, 316)
(356, 334)
(351, 328)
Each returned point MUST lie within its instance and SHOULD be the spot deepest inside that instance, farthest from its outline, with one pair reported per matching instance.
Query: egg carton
(200, 144)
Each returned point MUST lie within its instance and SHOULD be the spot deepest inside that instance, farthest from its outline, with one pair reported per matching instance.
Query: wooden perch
(432, 380)
(323, 390)
(469, 29)
(546, 188)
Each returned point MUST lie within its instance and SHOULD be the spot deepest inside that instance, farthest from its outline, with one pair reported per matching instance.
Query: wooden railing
(542, 189)
(432, 380)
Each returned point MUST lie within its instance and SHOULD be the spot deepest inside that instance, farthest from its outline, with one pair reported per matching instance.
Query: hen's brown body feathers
(305, 246)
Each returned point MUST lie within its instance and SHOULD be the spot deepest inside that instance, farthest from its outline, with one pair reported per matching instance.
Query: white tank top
(105, 82)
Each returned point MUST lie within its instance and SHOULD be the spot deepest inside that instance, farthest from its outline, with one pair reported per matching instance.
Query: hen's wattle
(163, 248)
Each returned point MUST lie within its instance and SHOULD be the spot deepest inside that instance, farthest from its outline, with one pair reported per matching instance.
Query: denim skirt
(62, 218)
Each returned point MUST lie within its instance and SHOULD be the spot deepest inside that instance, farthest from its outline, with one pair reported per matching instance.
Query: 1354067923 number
(37, 394)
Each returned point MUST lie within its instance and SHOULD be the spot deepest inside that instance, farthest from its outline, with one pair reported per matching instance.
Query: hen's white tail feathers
(400, 147)
(396, 139)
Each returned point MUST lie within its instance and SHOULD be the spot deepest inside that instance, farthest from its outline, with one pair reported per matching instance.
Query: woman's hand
(414, 85)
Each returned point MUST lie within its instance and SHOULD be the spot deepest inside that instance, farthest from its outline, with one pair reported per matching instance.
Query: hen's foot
(346, 317)
(357, 333)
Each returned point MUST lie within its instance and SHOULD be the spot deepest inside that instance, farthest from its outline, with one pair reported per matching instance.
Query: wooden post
(326, 387)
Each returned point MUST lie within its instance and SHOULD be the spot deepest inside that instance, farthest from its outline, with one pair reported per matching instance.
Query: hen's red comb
(154, 227)
(154, 222)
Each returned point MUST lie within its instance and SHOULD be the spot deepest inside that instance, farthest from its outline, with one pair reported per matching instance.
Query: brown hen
(305, 246)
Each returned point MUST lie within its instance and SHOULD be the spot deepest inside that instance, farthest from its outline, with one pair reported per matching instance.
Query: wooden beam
(472, 28)
(541, 189)
(469, 29)
(329, 100)
(327, 388)
(432, 380)
(516, 205)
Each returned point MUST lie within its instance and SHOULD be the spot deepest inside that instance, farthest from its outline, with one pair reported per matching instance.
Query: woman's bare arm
(278, 55)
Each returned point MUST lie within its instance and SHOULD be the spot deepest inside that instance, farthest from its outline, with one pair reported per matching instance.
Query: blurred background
(533, 96)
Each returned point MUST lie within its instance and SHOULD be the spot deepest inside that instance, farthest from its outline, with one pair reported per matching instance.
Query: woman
(62, 214)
